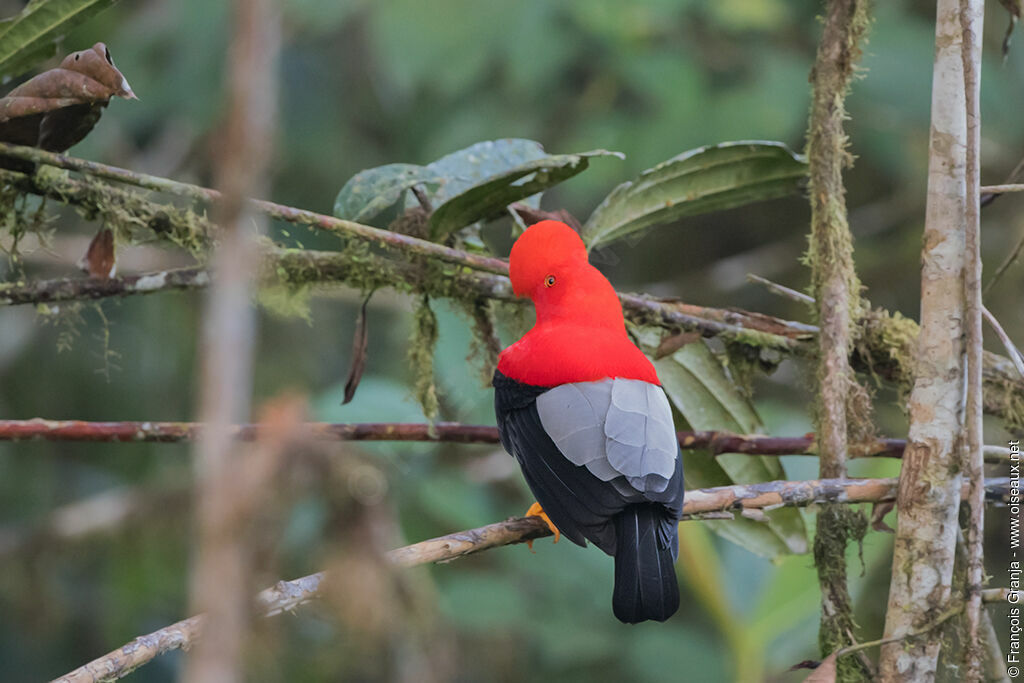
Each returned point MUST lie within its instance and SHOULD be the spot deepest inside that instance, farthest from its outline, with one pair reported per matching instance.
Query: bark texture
(973, 460)
(930, 486)
(837, 292)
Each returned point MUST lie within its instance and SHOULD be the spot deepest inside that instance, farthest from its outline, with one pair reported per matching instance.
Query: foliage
(369, 83)
(30, 37)
(703, 180)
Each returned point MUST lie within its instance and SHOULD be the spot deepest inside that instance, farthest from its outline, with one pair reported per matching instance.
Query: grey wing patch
(573, 416)
(621, 430)
(641, 440)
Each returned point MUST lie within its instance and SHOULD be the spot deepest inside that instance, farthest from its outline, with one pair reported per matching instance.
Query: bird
(581, 409)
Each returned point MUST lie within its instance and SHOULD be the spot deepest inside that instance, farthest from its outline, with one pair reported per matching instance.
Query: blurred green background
(368, 83)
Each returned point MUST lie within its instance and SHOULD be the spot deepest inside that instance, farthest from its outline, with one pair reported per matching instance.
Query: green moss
(1004, 397)
(837, 291)
(886, 347)
(485, 345)
(287, 301)
(421, 356)
(17, 219)
(837, 525)
(130, 214)
(68, 320)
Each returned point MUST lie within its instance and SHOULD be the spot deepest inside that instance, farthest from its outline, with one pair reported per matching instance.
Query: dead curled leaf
(56, 109)
(360, 344)
(100, 261)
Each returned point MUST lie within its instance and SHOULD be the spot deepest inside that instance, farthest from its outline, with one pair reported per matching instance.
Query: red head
(580, 335)
(548, 265)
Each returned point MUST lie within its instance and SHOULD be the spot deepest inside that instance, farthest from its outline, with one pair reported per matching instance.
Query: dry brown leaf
(100, 260)
(360, 343)
(56, 109)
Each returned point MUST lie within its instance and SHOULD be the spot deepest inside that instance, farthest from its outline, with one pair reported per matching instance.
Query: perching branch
(716, 442)
(285, 596)
(126, 659)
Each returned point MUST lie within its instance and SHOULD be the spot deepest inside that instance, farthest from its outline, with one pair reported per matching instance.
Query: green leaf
(699, 181)
(481, 161)
(490, 198)
(31, 36)
(369, 193)
(704, 395)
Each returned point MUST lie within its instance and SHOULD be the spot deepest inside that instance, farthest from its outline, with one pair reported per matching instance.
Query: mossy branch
(376, 258)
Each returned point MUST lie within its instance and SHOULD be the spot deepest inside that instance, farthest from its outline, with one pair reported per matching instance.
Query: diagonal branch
(884, 338)
(285, 596)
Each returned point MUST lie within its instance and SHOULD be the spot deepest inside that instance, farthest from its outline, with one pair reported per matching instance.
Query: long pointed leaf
(699, 181)
(31, 35)
(492, 197)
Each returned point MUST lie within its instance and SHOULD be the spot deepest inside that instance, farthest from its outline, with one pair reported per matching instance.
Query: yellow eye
(549, 281)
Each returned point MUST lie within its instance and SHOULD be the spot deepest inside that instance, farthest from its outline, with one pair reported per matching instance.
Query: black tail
(645, 576)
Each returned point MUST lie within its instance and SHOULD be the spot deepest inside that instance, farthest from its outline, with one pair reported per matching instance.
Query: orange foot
(537, 511)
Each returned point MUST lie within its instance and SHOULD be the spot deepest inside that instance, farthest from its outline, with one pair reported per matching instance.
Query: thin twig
(895, 639)
(1010, 259)
(1001, 189)
(988, 198)
(988, 596)
(285, 596)
(1001, 595)
(1011, 349)
(781, 290)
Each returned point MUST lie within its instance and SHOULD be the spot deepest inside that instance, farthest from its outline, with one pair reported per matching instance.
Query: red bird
(582, 410)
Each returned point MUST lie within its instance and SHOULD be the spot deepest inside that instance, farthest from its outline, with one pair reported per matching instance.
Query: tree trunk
(929, 491)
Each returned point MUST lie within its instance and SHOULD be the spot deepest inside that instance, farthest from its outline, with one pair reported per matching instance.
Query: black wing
(578, 503)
